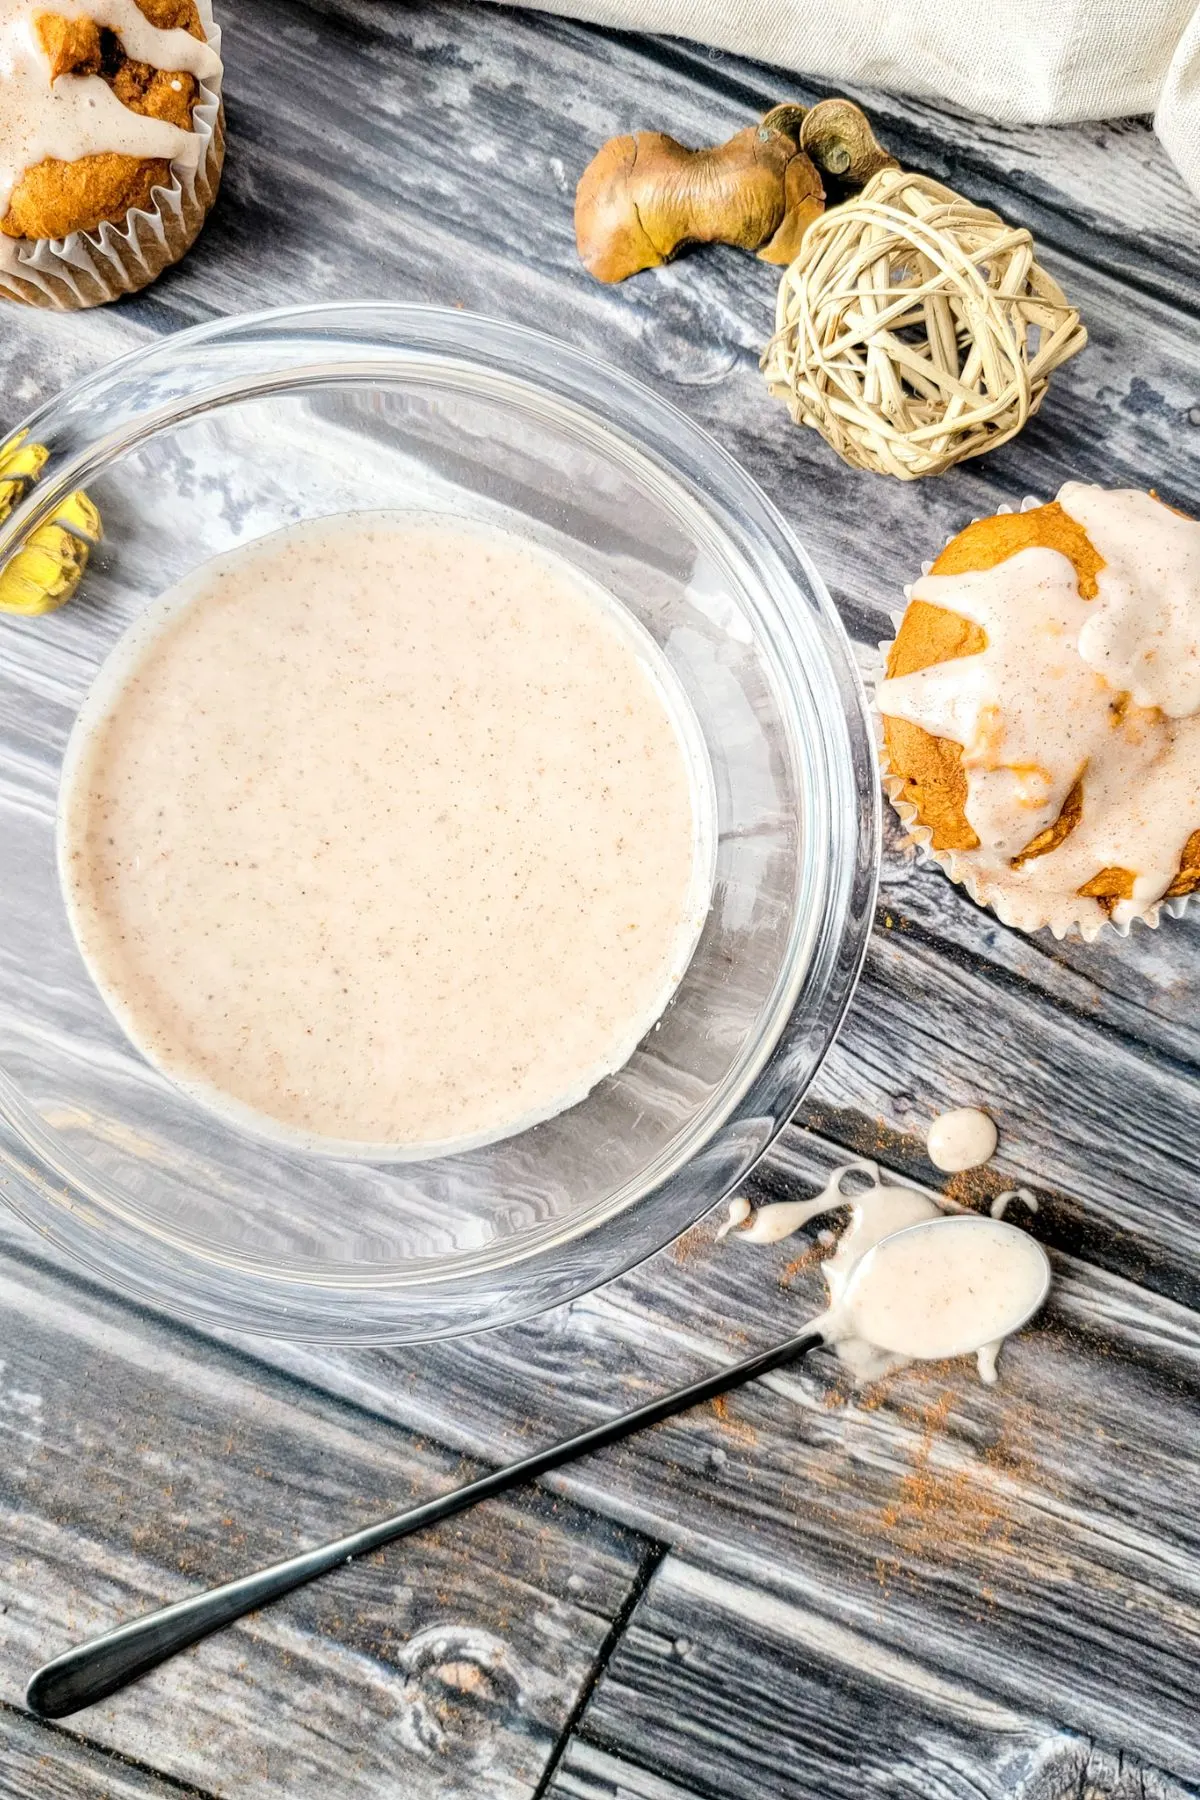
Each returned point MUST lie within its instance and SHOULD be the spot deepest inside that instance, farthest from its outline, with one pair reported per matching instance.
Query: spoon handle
(96, 1669)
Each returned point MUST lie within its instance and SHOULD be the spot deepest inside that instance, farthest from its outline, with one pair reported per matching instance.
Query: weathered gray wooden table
(936, 1590)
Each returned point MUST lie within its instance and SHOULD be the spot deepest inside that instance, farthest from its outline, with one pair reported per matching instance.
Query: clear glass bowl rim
(101, 416)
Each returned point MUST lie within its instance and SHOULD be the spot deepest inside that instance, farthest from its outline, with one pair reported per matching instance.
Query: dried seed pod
(837, 135)
(803, 191)
(642, 198)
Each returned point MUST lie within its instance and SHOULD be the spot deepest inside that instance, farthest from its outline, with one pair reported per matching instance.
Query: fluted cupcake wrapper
(1081, 916)
(88, 268)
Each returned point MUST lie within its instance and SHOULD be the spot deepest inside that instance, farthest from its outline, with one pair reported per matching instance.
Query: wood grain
(933, 1590)
(42, 1762)
(779, 1699)
(928, 1030)
(421, 1669)
(951, 1516)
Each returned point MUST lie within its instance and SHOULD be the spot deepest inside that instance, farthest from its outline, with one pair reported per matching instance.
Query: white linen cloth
(1039, 61)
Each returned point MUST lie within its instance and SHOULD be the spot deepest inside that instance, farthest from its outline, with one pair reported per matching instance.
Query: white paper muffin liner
(88, 268)
(1081, 916)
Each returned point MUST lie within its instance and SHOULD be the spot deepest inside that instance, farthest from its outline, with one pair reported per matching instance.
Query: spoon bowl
(943, 1288)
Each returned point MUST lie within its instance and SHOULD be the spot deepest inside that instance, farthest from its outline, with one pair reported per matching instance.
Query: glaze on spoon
(879, 1212)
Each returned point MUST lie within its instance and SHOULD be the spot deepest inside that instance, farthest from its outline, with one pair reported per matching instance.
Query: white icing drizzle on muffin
(1142, 631)
(79, 115)
(1103, 691)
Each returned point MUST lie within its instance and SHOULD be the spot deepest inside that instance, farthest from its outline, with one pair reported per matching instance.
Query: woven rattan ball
(915, 329)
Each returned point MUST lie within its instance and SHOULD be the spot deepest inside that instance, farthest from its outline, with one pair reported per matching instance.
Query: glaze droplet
(961, 1139)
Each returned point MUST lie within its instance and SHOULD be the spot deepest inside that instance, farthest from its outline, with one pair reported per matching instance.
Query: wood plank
(463, 97)
(1141, 989)
(1101, 1127)
(461, 104)
(1059, 1583)
(43, 1762)
(417, 1672)
(721, 1691)
(1038, 1534)
(789, 1486)
(515, 105)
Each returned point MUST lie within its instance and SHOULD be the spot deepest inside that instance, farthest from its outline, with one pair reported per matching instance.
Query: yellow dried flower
(20, 464)
(43, 574)
(80, 515)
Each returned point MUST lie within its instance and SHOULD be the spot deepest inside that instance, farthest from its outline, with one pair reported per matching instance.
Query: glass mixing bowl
(224, 433)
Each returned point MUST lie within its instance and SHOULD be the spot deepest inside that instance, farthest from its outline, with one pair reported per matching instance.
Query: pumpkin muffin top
(1042, 708)
(96, 103)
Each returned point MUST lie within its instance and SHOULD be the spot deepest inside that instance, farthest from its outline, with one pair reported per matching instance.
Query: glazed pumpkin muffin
(110, 142)
(1041, 710)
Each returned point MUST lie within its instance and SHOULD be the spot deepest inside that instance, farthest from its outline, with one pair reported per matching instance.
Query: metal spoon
(96, 1669)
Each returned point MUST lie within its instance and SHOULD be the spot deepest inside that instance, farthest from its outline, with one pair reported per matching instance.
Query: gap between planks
(92, 1749)
(652, 1559)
